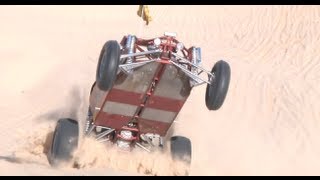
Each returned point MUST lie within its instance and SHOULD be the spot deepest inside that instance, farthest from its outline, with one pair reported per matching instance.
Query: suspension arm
(186, 61)
(139, 53)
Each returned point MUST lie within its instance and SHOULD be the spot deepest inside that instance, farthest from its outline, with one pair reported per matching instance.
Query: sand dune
(269, 124)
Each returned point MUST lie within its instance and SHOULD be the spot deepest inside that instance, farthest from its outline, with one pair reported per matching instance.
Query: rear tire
(216, 91)
(108, 65)
(181, 149)
(64, 142)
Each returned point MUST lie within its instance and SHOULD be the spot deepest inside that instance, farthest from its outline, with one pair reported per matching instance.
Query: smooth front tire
(216, 92)
(108, 65)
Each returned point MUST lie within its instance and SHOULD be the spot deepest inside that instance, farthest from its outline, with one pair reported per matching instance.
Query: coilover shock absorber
(195, 59)
(129, 49)
(131, 40)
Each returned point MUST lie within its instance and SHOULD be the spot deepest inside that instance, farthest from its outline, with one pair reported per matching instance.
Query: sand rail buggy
(141, 86)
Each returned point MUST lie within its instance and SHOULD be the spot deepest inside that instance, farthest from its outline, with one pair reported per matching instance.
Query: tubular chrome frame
(167, 47)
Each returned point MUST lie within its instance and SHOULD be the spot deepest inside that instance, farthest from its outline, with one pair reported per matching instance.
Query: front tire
(216, 91)
(108, 65)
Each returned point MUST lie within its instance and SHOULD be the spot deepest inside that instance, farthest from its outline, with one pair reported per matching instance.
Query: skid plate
(124, 99)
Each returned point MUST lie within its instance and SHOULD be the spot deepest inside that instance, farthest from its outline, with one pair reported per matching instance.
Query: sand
(268, 125)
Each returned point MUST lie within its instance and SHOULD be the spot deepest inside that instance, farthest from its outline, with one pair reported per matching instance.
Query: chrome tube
(194, 55)
(139, 53)
(127, 68)
(130, 43)
(142, 147)
(131, 40)
(90, 130)
(194, 59)
(186, 61)
(198, 55)
(194, 76)
(107, 132)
